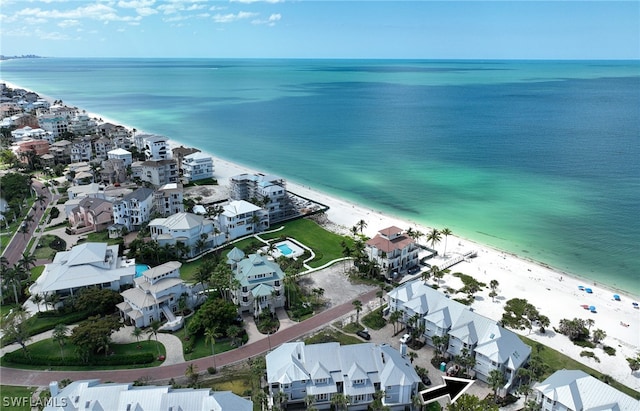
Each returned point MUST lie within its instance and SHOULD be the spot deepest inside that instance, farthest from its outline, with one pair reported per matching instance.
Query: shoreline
(553, 291)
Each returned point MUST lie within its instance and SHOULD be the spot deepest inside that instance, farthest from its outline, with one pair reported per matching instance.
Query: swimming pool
(284, 249)
(140, 268)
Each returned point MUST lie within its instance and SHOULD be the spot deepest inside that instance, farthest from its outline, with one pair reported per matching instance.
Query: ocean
(537, 158)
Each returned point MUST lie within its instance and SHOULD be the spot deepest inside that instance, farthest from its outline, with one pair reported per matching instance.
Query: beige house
(394, 251)
(91, 214)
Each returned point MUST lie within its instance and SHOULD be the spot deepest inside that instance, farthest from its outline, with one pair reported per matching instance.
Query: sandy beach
(554, 293)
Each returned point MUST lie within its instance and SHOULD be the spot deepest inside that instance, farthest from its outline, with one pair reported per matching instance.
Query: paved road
(18, 244)
(13, 376)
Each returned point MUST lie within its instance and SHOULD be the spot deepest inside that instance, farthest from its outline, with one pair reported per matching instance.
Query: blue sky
(322, 29)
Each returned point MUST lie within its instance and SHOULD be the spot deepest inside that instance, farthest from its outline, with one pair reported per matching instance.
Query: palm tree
(446, 233)
(210, 336)
(412, 356)
(60, 335)
(308, 402)
(12, 277)
(361, 225)
(425, 275)
(153, 330)
(340, 401)
(493, 284)
(27, 261)
(393, 318)
(137, 333)
(233, 331)
(433, 237)
(37, 299)
(495, 381)
(380, 294)
(358, 305)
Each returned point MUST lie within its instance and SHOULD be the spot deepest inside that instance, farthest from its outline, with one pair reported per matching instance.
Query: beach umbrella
(592, 308)
(616, 297)
(588, 290)
(581, 287)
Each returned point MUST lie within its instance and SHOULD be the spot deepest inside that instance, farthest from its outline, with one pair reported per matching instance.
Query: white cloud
(136, 4)
(256, 1)
(146, 11)
(230, 18)
(271, 21)
(68, 23)
(96, 11)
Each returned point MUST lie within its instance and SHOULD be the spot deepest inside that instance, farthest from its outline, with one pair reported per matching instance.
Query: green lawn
(325, 244)
(102, 237)
(331, 335)
(555, 361)
(37, 324)
(36, 272)
(4, 309)
(200, 349)
(43, 250)
(15, 398)
(52, 348)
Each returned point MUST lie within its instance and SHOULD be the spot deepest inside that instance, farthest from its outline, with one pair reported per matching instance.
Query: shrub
(18, 357)
(584, 343)
(211, 370)
(609, 350)
(589, 354)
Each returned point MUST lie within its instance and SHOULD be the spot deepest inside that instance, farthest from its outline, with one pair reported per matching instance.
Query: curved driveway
(14, 376)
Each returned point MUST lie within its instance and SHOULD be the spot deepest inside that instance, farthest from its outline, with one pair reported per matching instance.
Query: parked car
(364, 334)
(405, 339)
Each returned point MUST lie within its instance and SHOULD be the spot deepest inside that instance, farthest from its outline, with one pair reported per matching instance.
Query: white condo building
(241, 218)
(197, 166)
(84, 395)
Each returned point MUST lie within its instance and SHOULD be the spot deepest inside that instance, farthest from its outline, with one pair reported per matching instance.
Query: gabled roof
(87, 253)
(366, 364)
(238, 207)
(578, 390)
(256, 269)
(140, 194)
(181, 221)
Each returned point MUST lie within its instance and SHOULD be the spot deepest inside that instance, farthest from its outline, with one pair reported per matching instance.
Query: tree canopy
(216, 314)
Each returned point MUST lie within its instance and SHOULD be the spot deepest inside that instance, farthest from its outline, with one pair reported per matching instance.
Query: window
(358, 398)
(322, 397)
(358, 382)
(321, 381)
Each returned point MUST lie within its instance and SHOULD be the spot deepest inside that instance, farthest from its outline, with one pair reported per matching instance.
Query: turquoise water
(538, 158)
(284, 249)
(141, 268)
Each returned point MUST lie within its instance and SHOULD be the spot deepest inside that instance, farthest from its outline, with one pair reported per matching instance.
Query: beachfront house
(260, 283)
(394, 251)
(90, 215)
(158, 172)
(179, 153)
(85, 265)
(81, 124)
(83, 395)
(153, 146)
(575, 390)
(492, 346)
(267, 191)
(197, 166)
(190, 233)
(241, 218)
(134, 209)
(156, 295)
(56, 124)
(356, 371)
